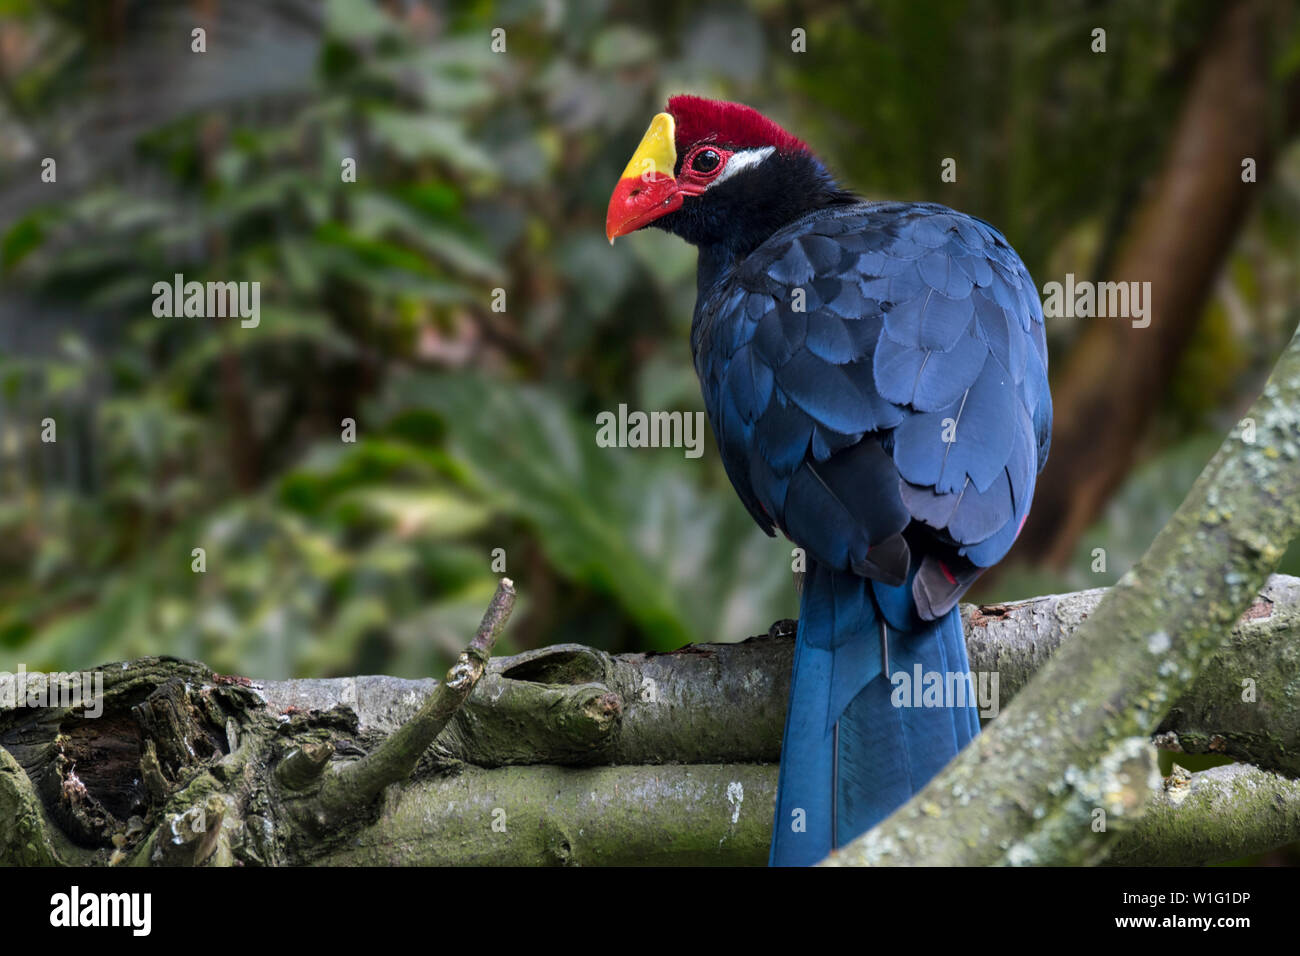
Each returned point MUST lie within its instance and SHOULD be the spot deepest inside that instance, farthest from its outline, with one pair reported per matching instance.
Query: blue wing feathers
(927, 379)
(822, 252)
(830, 339)
(783, 433)
(941, 275)
(903, 308)
(931, 320)
(825, 393)
(793, 268)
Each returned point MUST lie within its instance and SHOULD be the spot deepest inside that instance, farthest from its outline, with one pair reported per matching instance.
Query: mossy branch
(1217, 815)
(725, 703)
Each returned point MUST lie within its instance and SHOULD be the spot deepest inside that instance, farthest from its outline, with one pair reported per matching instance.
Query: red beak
(639, 201)
(647, 189)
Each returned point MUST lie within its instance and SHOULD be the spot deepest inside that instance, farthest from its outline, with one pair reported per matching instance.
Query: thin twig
(361, 781)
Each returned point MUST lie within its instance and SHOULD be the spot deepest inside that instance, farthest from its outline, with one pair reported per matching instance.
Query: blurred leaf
(622, 46)
(619, 520)
(429, 137)
(20, 239)
(427, 513)
(352, 20)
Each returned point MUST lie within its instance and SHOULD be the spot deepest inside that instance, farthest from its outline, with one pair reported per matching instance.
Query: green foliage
(475, 429)
(680, 560)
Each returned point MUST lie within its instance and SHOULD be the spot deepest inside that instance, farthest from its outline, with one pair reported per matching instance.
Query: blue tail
(856, 745)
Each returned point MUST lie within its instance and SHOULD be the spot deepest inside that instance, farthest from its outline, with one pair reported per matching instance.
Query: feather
(942, 276)
(926, 379)
(793, 268)
(970, 437)
(825, 392)
(829, 338)
(932, 321)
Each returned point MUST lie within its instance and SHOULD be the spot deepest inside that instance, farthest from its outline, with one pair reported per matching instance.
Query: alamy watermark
(637, 429)
(1103, 300)
(35, 689)
(208, 300)
(133, 911)
(922, 688)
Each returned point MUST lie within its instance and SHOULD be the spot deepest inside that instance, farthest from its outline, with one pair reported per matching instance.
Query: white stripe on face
(742, 159)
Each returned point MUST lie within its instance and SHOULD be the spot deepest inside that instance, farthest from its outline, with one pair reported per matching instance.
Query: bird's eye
(705, 161)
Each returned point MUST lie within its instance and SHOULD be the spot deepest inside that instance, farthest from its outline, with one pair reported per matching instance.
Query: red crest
(728, 124)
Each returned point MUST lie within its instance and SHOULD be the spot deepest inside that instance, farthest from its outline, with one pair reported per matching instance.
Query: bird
(875, 376)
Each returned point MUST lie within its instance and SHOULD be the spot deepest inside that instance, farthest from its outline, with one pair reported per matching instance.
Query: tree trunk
(1116, 374)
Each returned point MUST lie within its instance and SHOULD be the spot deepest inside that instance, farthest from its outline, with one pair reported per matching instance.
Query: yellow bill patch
(656, 154)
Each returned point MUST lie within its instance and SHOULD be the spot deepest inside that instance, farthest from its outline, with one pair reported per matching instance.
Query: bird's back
(876, 377)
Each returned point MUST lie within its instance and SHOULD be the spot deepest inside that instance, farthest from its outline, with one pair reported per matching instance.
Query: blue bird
(876, 377)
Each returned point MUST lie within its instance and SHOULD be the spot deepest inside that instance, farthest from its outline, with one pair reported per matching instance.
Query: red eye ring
(694, 179)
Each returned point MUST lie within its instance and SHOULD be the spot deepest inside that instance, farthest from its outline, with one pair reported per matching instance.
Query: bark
(672, 814)
(1179, 240)
(1212, 817)
(162, 762)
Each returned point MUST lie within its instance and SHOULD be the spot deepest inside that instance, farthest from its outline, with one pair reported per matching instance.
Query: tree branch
(1212, 817)
(677, 814)
(725, 703)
